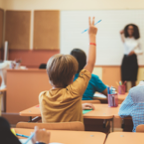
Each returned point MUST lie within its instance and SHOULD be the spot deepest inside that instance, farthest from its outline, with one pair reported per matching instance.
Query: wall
(74, 4)
(2, 4)
(34, 58)
(29, 56)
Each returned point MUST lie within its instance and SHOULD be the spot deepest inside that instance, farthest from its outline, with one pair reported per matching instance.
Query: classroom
(71, 71)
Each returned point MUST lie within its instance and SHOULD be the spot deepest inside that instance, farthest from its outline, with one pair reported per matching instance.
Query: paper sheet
(99, 95)
(86, 111)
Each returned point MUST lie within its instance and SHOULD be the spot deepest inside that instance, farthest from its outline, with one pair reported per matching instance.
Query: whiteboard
(109, 45)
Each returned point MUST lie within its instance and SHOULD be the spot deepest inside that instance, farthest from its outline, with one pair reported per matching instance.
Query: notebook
(86, 111)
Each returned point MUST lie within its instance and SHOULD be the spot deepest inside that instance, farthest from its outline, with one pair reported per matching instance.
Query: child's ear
(72, 79)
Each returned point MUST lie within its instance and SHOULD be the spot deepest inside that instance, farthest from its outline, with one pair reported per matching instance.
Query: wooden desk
(121, 97)
(24, 87)
(32, 111)
(2, 91)
(125, 138)
(102, 111)
(70, 137)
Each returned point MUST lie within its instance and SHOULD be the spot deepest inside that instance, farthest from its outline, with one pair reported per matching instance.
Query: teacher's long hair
(136, 33)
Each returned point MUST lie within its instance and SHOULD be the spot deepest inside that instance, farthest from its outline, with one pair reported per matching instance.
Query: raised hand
(92, 28)
(122, 32)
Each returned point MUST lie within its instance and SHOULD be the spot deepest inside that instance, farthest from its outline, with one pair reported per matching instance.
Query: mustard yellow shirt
(64, 104)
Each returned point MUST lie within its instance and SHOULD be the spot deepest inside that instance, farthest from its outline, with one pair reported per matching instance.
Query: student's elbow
(89, 67)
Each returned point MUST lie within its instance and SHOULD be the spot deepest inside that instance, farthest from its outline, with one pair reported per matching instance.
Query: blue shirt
(95, 84)
(133, 106)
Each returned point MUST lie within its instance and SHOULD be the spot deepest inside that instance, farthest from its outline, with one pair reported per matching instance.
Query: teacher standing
(129, 68)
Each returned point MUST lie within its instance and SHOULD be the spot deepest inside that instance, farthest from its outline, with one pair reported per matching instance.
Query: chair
(91, 101)
(72, 126)
(42, 66)
(140, 128)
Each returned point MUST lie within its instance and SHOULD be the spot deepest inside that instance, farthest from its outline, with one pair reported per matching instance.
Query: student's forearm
(92, 53)
(105, 92)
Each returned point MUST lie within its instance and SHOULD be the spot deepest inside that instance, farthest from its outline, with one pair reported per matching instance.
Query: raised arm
(92, 48)
(122, 36)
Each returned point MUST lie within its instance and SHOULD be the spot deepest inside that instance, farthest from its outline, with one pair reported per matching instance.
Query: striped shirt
(133, 106)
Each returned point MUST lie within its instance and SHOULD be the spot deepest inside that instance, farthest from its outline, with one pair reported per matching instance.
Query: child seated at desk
(133, 105)
(95, 84)
(62, 103)
(7, 137)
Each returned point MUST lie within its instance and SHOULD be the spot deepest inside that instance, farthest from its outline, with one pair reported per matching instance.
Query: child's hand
(92, 28)
(41, 135)
(87, 106)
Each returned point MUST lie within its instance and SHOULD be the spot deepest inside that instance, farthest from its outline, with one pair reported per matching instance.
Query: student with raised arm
(62, 103)
(95, 84)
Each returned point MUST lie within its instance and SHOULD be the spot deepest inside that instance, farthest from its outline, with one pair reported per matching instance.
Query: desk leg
(112, 124)
(1, 103)
(122, 125)
(30, 119)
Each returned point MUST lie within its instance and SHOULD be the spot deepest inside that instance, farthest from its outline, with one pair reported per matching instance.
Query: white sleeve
(138, 50)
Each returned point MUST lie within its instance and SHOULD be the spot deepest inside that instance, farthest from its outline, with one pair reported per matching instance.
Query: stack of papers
(100, 95)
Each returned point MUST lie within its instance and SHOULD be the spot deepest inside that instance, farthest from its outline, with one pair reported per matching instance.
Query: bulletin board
(46, 29)
(1, 27)
(17, 29)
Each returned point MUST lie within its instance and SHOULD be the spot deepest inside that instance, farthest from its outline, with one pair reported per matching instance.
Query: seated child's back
(63, 102)
(95, 84)
(133, 106)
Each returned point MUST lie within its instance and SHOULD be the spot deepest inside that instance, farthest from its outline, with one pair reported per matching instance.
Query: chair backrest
(140, 128)
(42, 66)
(0, 105)
(91, 101)
(72, 126)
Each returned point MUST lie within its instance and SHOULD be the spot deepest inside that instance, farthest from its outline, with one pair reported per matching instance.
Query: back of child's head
(80, 57)
(61, 69)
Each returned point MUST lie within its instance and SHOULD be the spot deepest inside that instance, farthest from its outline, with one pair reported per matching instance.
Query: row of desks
(102, 111)
(83, 137)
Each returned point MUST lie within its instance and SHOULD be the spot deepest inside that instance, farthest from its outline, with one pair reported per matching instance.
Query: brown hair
(60, 69)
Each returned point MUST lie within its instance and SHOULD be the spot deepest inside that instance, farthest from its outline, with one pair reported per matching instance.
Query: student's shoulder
(94, 77)
(84, 72)
(43, 94)
(136, 91)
